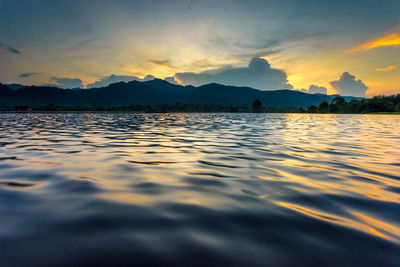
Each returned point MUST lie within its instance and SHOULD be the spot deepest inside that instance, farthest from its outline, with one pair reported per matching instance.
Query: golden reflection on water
(363, 223)
(378, 227)
(310, 212)
(315, 165)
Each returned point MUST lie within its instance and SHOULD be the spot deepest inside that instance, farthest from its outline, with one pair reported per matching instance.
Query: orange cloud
(177, 80)
(387, 68)
(392, 39)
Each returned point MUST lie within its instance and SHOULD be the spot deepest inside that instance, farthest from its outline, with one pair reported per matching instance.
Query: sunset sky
(344, 46)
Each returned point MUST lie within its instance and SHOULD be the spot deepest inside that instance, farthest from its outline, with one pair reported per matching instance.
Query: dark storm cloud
(67, 82)
(348, 85)
(258, 74)
(27, 75)
(10, 48)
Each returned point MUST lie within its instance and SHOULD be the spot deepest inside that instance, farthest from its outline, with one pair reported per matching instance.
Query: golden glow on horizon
(378, 69)
(392, 39)
(322, 68)
(189, 41)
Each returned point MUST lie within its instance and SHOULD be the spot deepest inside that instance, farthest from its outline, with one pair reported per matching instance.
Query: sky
(331, 46)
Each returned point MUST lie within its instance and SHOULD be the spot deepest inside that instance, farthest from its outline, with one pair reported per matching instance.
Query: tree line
(160, 108)
(376, 104)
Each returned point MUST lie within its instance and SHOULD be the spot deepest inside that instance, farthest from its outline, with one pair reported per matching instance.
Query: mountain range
(156, 92)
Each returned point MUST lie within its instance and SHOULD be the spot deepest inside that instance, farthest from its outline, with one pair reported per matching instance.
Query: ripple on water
(199, 189)
(217, 164)
(16, 184)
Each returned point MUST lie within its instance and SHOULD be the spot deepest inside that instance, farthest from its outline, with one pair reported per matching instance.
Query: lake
(199, 189)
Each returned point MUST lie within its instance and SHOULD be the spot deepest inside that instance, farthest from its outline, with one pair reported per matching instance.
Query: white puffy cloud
(315, 89)
(347, 85)
(258, 74)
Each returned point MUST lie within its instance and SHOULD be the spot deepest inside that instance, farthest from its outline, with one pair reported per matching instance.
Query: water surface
(193, 189)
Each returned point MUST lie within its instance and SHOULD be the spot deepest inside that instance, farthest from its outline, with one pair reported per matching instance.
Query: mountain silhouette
(156, 92)
(15, 86)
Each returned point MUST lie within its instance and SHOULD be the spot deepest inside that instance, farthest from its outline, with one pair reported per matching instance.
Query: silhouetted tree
(354, 106)
(256, 107)
(338, 100)
(312, 109)
(337, 105)
(323, 107)
(381, 104)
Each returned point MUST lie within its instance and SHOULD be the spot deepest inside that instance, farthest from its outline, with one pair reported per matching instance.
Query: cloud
(165, 62)
(147, 78)
(67, 82)
(392, 39)
(258, 74)
(348, 85)
(105, 81)
(315, 89)
(388, 68)
(171, 80)
(27, 75)
(303, 90)
(10, 49)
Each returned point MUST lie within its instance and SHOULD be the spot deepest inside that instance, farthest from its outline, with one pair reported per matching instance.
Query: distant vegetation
(257, 107)
(377, 104)
(161, 108)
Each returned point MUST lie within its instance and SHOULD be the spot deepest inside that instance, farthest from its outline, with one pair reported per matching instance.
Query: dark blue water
(199, 189)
